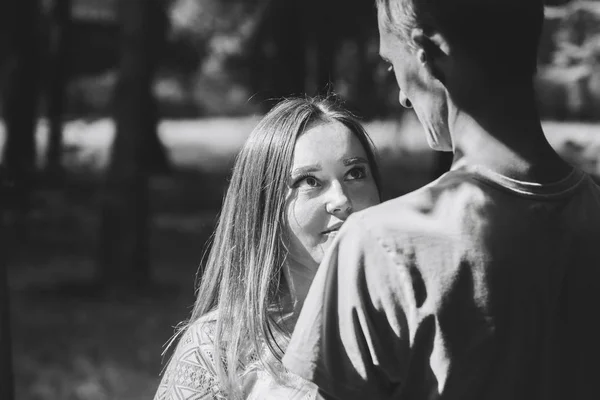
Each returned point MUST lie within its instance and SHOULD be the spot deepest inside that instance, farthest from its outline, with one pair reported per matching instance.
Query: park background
(120, 124)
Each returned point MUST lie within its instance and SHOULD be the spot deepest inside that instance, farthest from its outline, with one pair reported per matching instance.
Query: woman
(303, 170)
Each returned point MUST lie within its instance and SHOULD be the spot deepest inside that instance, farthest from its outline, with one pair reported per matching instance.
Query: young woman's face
(330, 179)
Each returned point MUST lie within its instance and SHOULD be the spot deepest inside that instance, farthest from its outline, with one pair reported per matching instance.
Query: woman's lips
(333, 229)
(331, 234)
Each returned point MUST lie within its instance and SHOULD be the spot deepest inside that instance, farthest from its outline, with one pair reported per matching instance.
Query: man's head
(430, 43)
(496, 33)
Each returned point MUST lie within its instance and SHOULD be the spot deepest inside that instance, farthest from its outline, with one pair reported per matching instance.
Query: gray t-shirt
(475, 286)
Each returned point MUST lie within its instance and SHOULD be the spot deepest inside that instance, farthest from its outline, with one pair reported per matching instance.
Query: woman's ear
(433, 52)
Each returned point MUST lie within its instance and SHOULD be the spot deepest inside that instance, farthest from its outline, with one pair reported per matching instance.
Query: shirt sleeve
(352, 336)
(191, 372)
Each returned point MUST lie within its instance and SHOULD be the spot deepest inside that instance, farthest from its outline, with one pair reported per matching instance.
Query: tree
(6, 370)
(288, 60)
(322, 38)
(361, 29)
(123, 258)
(292, 48)
(20, 98)
(61, 27)
(8, 27)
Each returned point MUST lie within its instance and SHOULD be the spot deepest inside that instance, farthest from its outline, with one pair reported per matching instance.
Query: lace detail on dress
(191, 373)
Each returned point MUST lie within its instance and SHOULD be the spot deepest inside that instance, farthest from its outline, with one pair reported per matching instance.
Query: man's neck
(501, 131)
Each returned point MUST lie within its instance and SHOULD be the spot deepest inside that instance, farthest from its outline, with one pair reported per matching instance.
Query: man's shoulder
(436, 203)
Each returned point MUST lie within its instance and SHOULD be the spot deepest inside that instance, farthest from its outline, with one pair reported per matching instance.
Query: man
(483, 284)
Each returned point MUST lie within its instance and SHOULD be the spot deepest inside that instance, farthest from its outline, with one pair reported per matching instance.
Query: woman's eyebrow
(305, 169)
(354, 161)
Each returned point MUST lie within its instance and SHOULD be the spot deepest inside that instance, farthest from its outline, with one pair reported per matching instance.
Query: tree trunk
(20, 100)
(278, 52)
(6, 368)
(61, 25)
(289, 64)
(7, 28)
(157, 156)
(324, 38)
(123, 259)
(365, 94)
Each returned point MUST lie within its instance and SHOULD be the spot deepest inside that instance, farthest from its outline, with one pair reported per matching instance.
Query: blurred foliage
(220, 57)
(223, 56)
(216, 32)
(569, 77)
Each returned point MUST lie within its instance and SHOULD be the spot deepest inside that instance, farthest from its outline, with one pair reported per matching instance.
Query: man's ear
(433, 52)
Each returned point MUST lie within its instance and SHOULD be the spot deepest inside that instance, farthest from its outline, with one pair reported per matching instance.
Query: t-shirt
(476, 286)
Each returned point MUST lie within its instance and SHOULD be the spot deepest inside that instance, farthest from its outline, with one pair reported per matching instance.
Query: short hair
(501, 35)
(242, 278)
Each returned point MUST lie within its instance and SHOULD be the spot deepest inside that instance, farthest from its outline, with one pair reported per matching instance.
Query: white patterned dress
(191, 373)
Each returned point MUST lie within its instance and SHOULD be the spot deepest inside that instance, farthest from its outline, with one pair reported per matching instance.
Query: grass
(70, 342)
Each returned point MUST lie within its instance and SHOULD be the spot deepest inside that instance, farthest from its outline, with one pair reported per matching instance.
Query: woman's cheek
(310, 219)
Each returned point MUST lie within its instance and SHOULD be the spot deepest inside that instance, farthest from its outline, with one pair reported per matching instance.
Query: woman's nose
(338, 202)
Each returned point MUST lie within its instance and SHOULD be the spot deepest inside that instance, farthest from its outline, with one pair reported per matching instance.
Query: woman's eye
(311, 181)
(357, 173)
(306, 181)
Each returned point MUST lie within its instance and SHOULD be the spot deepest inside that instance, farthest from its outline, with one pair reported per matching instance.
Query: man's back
(491, 280)
(528, 254)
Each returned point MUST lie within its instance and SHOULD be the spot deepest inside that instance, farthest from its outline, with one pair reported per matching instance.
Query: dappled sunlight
(188, 81)
(210, 144)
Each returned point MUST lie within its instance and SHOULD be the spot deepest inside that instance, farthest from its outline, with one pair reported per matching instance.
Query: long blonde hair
(242, 280)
